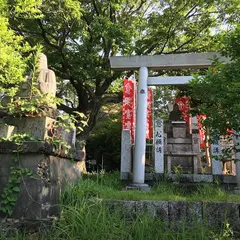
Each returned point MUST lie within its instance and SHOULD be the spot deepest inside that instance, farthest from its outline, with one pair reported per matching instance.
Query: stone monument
(182, 146)
(51, 166)
(44, 77)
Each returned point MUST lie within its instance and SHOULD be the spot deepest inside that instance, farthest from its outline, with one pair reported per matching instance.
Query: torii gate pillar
(140, 138)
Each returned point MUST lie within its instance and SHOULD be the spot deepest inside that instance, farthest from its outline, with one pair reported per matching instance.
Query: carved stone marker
(126, 155)
(216, 165)
(159, 146)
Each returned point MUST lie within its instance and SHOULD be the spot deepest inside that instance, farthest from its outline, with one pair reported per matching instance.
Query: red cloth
(202, 132)
(184, 107)
(149, 131)
(128, 107)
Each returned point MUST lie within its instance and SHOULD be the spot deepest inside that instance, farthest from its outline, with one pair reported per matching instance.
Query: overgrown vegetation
(109, 186)
(222, 85)
(104, 143)
(84, 216)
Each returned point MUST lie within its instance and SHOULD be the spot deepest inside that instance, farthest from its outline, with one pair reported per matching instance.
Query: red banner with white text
(184, 107)
(128, 107)
(149, 131)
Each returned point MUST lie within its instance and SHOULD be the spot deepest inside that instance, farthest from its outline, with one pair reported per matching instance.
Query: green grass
(90, 219)
(84, 216)
(108, 186)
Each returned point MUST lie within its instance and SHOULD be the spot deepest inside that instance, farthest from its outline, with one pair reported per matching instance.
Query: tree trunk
(81, 153)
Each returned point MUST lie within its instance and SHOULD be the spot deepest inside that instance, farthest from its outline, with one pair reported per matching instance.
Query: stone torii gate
(157, 62)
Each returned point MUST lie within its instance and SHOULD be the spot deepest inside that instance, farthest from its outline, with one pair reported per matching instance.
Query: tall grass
(109, 186)
(84, 216)
(91, 219)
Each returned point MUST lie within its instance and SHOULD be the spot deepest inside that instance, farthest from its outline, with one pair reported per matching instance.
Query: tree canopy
(217, 93)
(78, 38)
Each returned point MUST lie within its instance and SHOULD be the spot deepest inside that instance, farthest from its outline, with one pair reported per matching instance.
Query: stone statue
(46, 80)
(175, 115)
(46, 77)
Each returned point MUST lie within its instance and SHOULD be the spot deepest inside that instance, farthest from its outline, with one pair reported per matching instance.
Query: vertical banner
(202, 132)
(149, 127)
(158, 146)
(128, 107)
(184, 107)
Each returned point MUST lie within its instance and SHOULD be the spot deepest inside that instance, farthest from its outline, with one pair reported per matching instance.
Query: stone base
(37, 127)
(138, 186)
(39, 195)
(125, 175)
(237, 190)
(41, 128)
(173, 212)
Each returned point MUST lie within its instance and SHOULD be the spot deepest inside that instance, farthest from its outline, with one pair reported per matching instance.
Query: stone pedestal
(37, 127)
(179, 129)
(38, 198)
(138, 186)
(183, 149)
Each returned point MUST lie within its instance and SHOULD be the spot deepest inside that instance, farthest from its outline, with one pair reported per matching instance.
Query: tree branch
(67, 109)
(44, 35)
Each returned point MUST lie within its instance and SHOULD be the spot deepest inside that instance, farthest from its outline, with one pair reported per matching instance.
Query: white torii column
(140, 137)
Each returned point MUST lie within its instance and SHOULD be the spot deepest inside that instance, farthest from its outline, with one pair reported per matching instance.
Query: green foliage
(85, 216)
(104, 143)
(17, 173)
(16, 55)
(108, 186)
(92, 220)
(217, 93)
(66, 123)
(13, 65)
(80, 37)
(71, 122)
(11, 189)
(18, 138)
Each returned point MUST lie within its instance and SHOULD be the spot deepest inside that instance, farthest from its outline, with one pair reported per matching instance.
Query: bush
(104, 143)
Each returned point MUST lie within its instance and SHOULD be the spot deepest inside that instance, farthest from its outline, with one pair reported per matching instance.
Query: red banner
(149, 131)
(184, 107)
(128, 107)
(202, 132)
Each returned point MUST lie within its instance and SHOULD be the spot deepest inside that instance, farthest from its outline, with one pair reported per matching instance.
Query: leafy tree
(14, 51)
(217, 93)
(80, 36)
(104, 142)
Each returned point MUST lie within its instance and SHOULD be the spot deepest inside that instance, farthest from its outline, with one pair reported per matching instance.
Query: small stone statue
(46, 80)
(46, 77)
(175, 115)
